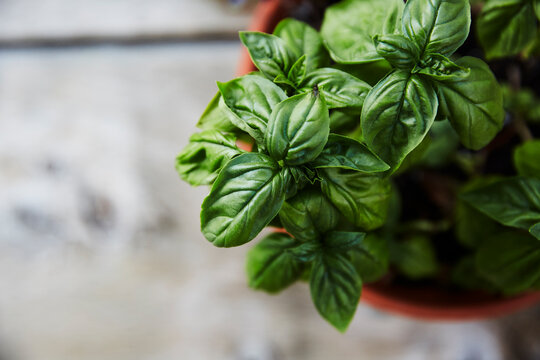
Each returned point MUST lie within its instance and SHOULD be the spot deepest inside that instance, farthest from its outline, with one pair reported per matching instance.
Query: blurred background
(100, 251)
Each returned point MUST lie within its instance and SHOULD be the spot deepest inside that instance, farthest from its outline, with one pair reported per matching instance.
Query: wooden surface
(39, 20)
(101, 256)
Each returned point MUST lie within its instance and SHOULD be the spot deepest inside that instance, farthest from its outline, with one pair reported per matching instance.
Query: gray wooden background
(100, 251)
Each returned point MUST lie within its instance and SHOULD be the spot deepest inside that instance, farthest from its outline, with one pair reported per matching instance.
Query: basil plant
(370, 142)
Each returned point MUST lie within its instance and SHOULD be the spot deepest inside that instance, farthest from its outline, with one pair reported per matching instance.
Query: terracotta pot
(420, 302)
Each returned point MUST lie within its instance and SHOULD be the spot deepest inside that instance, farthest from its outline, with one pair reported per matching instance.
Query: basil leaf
(271, 265)
(207, 152)
(302, 174)
(269, 53)
(437, 26)
(473, 103)
(370, 257)
(397, 50)
(415, 257)
(349, 26)
(302, 39)
(251, 98)
(335, 289)
(415, 157)
(285, 83)
(527, 158)
(397, 115)
(343, 240)
(512, 202)
(307, 251)
(505, 27)
(298, 129)
(522, 102)
(392, 23)
(439, 67)
(245, 197)
(346, 153)
(339, 88)
(466, 275)
(472, 226)
(363, 199)
(535, 230)
(297, 74)
(308, 215)
(444, 144)
(296, 179)
(216, 116)
(510, 260)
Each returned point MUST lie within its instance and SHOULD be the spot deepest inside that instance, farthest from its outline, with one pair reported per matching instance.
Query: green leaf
(271, 265)
(439, 67)
(285, 82)
(473, 103)
(505, 27)
(307, 251)
(522, 102)
(437, 26)
(473, 227)
(533, 48)
(335, 289)
(297, 74)
(527, 158)
(349, 26)
(343, 240)
(297, 177)
(298, 129)
(346, 153)
(397, 115)
(466, 275)
(207, 152)
(392, 23)
(363, 199)
(397, 50)
(443, 145)
(535, 230)
(415, 157)
(370, 257)
(302, 39)
(537, 8)
(216, 116)
(339, 88)
(512, 202)
(415, 257)
(510, 260)
(308, 215)
(246, 196)
(269, 53)
(251, 98)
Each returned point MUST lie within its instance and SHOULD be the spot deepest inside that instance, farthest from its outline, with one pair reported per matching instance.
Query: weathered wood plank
(64, 19)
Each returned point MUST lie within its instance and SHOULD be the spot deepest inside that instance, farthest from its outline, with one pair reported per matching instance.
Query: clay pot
(427, 303)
